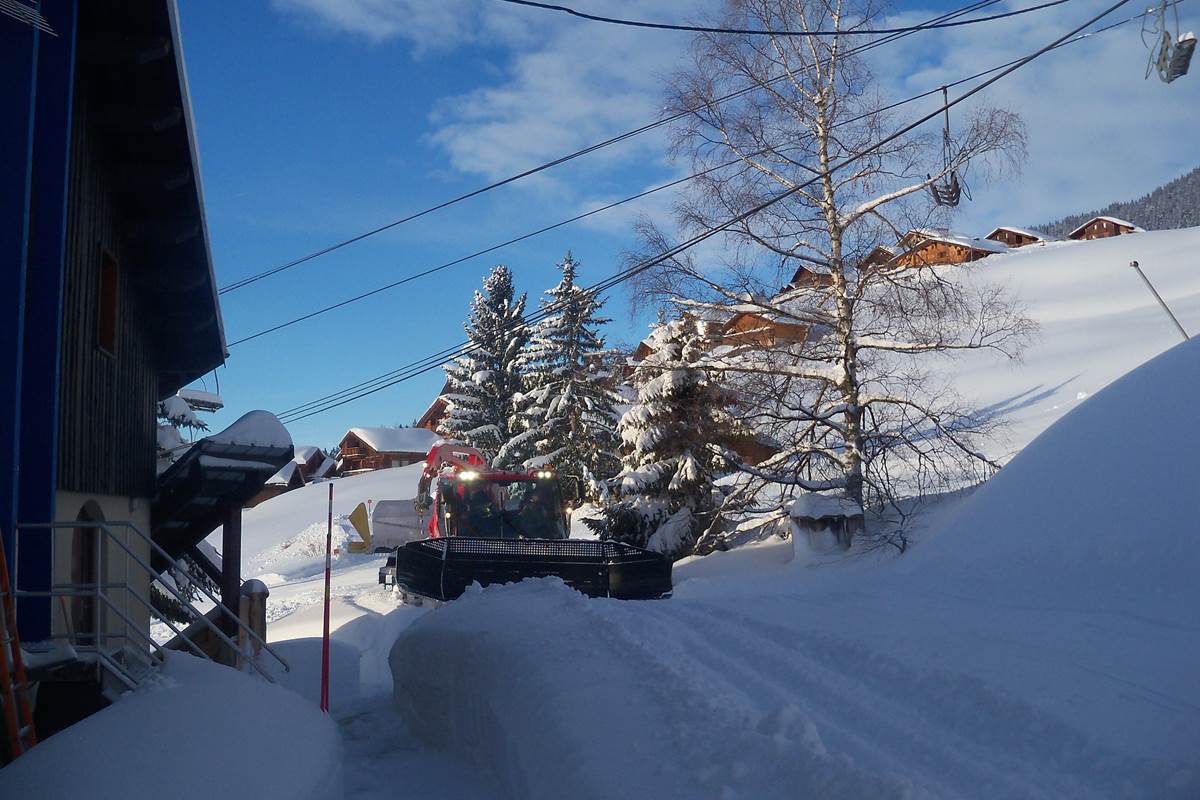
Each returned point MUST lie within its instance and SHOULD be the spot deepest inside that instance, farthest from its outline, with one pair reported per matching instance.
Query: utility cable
(762, 31)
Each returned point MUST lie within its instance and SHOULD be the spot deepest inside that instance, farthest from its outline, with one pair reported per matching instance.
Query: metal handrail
(106, 527)
(167, 557)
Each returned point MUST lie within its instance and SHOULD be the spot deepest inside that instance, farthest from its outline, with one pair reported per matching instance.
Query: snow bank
(259, 428)
(198, 731)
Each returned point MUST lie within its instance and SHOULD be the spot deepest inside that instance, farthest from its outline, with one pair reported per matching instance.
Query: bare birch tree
(849, 401)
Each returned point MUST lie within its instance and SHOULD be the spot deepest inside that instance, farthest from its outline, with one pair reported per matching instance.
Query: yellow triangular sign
(358, 518)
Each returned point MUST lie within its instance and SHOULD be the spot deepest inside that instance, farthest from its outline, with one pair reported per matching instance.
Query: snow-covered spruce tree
(676, 435)
(484, 381)
(842, 372)
(566, 417)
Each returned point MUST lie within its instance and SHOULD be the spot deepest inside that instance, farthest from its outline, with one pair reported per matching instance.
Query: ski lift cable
(738, 31)
(958, 187)
(886, 39)
(629, 272)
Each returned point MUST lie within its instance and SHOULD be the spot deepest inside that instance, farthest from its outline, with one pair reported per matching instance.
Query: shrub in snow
(675, 434)
(483, 382)
(566, 417)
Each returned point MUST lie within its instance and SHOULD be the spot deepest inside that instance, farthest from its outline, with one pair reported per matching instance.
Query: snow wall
(198, 730)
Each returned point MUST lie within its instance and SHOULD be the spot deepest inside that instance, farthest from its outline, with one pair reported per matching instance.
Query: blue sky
(318, 119)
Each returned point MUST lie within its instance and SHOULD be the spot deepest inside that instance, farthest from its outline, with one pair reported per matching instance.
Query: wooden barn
(365, 449)
(1017, 237)
(1102, 228)
(928, 248)
(110, 306)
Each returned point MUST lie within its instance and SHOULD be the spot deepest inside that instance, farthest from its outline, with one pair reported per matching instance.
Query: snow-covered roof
(1045, 237)
(255, 428)
(304, 452)
(202, 401)
(396, 440)
(284, 476)
(1114, 220)
(324, 469)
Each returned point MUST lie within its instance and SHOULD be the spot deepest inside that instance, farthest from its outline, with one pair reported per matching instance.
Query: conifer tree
(675, 435)
(567, 414)
(484, 381)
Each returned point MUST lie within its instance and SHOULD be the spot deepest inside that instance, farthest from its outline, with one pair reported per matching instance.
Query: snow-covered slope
(1098, 321)
(1043, 644)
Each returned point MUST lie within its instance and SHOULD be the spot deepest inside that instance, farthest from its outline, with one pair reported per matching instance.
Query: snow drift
(199, 731)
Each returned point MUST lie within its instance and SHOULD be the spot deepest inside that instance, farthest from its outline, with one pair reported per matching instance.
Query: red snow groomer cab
(491, 526)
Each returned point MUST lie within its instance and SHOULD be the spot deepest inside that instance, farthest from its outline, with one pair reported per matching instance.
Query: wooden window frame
(108, 303)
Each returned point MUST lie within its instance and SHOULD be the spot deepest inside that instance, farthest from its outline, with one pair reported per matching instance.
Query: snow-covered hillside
(1098, 321)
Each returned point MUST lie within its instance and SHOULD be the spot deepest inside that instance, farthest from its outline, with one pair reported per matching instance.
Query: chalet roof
(284, 476)
(326, 467)
(182, 314)
(1115, 220)
(433, 409)
(961, 239)
(304, 453)
(1045, 237)
(396, 440)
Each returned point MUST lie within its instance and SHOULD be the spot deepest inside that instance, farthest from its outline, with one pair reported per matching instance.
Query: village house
(1102, 228)
(364, 449)
(110, 307)
(1017, 237)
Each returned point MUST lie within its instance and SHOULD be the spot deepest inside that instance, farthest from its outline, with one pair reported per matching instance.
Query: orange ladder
(14, 687)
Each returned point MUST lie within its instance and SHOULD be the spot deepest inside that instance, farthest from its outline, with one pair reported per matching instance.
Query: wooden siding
(106, 415)
(752, 329)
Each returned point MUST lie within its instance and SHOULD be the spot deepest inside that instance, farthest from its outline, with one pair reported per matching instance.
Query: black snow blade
(442, 569)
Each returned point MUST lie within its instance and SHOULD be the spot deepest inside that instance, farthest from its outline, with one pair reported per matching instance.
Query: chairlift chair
(950, 191)
(1170, 55)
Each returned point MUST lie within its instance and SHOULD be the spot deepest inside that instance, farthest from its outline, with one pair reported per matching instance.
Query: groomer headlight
(468, 475)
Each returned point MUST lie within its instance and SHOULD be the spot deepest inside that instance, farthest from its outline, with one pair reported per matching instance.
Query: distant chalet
(1018, 237)
(364, 449)
(934, 247)
(1102, 228)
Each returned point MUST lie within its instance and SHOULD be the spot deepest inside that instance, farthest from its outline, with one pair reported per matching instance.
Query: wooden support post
(231, 564)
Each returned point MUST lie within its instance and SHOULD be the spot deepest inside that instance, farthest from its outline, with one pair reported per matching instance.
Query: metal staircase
(116, 643)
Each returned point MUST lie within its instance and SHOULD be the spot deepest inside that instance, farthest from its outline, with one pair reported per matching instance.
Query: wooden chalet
(878, 257)
(364, 449)
(762, 330)
(1102, 228)
(1017, 237)
(433, 415)
(805, 278)
(926, 248)
(110, 306)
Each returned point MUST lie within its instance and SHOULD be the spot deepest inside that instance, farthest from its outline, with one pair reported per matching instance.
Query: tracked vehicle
(492, 526)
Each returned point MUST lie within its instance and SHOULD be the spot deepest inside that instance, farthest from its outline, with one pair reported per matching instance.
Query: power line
(623, 201)
(629, 272)
(665, 26)
(600, 145)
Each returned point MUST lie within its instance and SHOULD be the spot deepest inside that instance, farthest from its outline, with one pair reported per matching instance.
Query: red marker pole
(325, 634)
